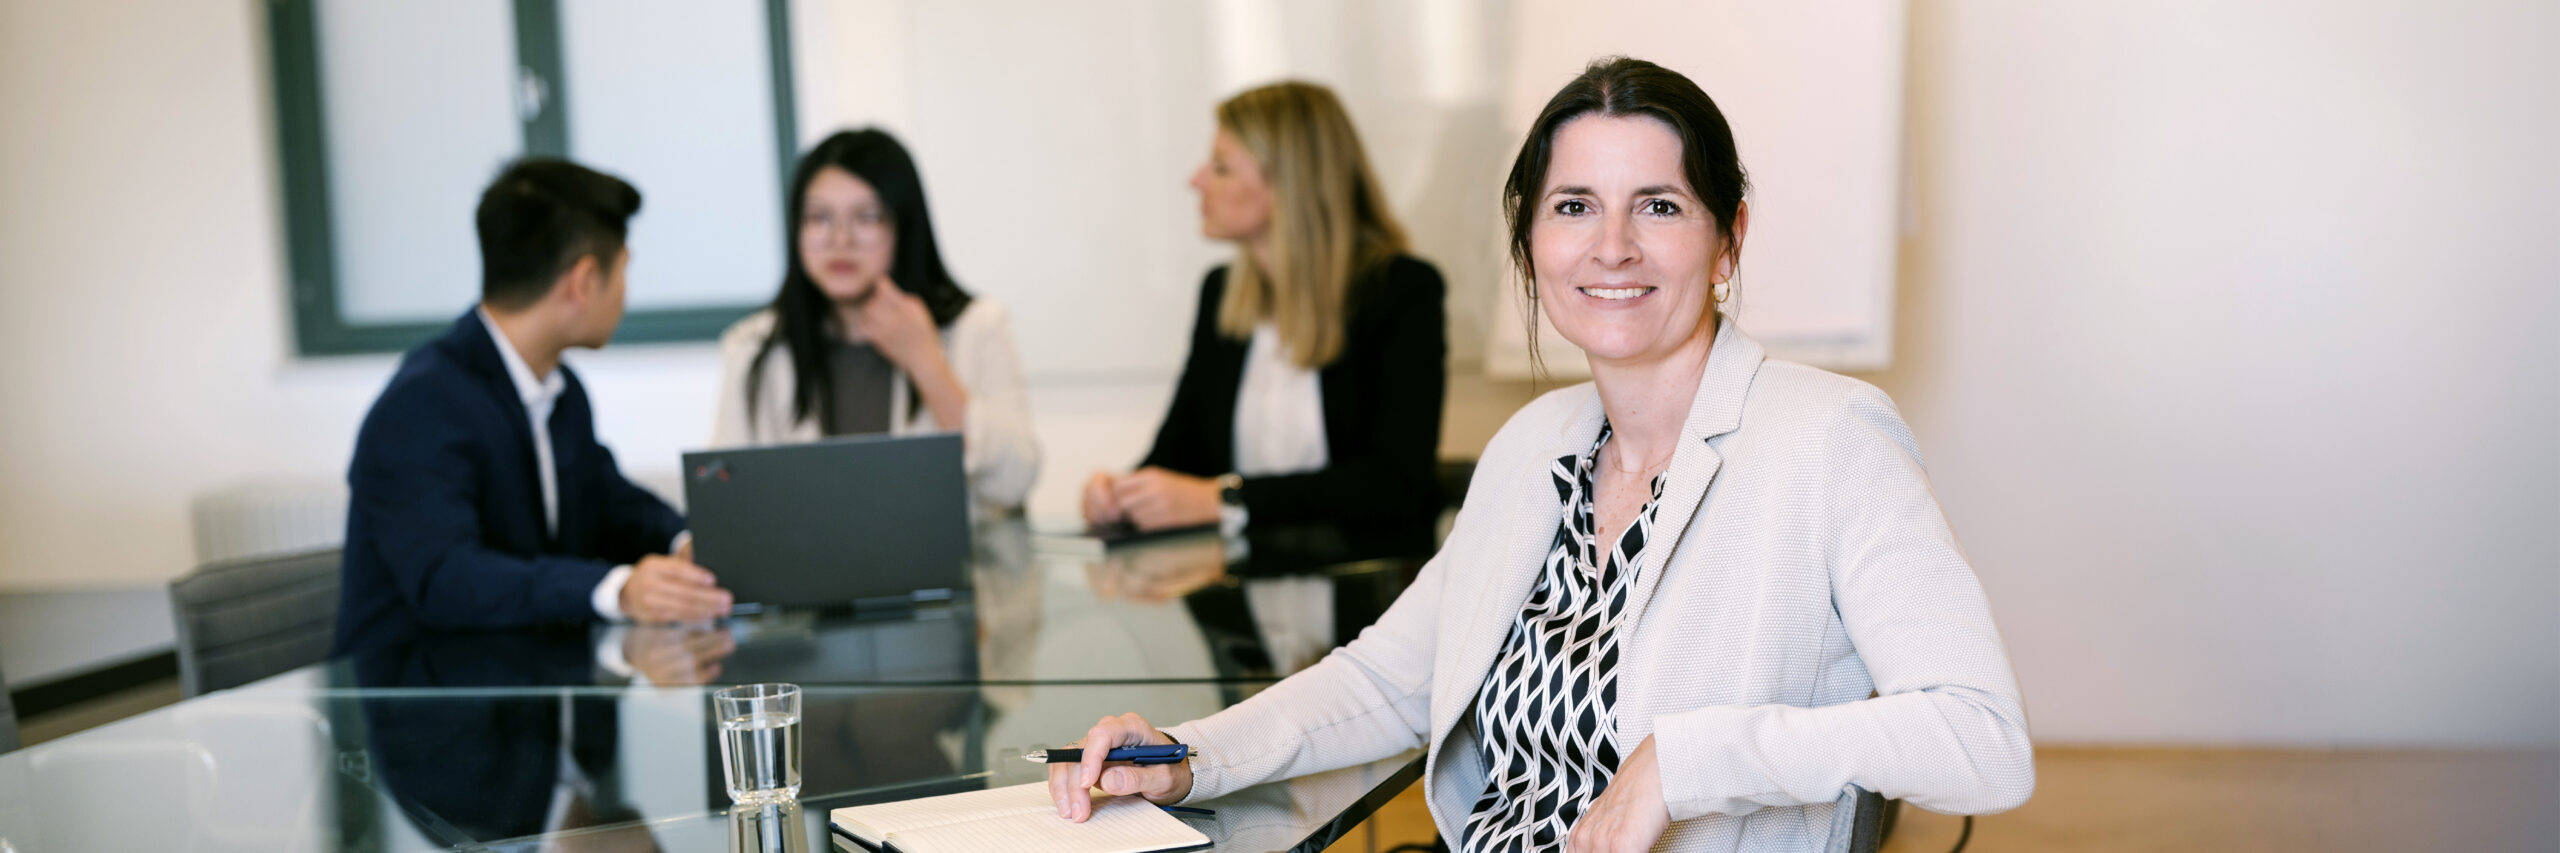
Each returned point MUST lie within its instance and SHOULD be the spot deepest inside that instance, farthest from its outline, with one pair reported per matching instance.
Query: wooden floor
(2120, 800)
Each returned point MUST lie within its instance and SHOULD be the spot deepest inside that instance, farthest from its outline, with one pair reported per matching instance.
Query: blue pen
(1143, 756)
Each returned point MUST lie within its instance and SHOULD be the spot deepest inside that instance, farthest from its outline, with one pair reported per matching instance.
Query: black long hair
(915, 265)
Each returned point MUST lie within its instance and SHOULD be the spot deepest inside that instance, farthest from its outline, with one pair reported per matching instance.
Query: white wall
(1055, 140)
(2228, 331)
(144, 341)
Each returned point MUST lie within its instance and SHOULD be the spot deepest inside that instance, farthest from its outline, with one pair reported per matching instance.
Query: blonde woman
(1318, 361)
(1696, 604)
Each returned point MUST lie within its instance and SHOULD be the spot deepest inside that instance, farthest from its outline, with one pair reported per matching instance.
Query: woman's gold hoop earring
(1722, 290)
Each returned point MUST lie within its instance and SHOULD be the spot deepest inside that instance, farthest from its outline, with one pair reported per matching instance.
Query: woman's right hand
(1102, 500)
(1071, 785)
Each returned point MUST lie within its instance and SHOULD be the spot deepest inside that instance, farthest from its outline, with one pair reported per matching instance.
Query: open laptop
(861, 520)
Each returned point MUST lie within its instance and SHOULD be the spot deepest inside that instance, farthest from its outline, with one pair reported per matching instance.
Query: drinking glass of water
(760, 741)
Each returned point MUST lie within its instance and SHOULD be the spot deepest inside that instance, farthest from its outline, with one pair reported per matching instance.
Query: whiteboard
(1056, 139)
(1813, 92)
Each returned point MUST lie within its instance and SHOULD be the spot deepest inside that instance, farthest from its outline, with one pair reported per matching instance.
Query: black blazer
(444, 526)
(1382, 401)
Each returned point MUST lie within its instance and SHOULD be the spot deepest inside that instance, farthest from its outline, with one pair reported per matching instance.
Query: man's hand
(672, 589)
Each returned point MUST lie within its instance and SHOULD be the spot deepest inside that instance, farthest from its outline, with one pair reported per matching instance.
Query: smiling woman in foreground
(1696, 602)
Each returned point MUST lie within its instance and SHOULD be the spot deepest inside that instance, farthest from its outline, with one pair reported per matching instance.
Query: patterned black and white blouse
(1544, 717)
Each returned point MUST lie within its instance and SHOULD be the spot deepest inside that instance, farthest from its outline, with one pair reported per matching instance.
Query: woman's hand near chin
(896, 323)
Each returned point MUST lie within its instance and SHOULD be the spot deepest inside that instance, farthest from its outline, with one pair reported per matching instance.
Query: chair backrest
(243, 620)
(8, 718)
(1859, 823)
(1452, 475)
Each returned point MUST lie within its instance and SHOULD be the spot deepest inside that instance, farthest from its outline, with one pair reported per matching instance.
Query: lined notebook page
(873, 822)
(1015, 819)
(1119, 825)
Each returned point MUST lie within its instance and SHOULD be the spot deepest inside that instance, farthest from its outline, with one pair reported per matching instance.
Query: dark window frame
(319, 329)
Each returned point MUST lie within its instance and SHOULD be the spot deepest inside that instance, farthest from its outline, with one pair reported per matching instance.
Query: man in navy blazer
(481, 498)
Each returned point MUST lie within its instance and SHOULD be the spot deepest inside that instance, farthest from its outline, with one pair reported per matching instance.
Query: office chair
(243, 620)
(8, 718)
(1870, 821)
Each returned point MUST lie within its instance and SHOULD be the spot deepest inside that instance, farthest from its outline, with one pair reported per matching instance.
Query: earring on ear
(1722, 290)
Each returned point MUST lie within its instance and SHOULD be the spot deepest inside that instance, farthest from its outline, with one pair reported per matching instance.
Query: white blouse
(1279, 411)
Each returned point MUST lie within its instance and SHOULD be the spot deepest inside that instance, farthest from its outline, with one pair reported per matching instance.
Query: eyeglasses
(860, 224)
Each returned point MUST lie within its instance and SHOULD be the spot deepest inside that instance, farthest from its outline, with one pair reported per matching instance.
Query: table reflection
(1191, 607)
(770, 829)
(585, 737)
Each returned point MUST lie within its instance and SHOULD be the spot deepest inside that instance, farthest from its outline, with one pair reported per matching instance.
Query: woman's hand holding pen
(1070, 785)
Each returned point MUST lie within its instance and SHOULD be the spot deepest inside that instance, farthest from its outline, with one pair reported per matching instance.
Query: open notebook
(1013, 820)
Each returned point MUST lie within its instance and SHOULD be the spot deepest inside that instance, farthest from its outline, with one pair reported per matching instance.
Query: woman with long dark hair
(870, 334)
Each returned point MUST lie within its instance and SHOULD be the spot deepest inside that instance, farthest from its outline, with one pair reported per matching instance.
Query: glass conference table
(601, 738)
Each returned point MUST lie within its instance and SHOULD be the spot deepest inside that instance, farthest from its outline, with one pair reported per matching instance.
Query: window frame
(319, 329)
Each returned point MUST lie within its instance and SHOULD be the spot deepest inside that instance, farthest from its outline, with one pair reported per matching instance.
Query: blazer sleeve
(638, 523)
(416, 478)
(1181, 443)
(998, 448)
(1368, 700)
(1395, 478)
(1947, 732)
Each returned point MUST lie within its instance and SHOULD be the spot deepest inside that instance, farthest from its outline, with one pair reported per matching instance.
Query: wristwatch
(1231, 514)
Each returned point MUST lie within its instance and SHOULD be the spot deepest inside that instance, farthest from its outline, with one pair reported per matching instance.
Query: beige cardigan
(998, 449)
(1800, 562)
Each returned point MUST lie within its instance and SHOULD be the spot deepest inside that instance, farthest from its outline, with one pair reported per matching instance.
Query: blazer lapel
(1715, 411)
(569, 455)
(1532, 519)
(477, 350)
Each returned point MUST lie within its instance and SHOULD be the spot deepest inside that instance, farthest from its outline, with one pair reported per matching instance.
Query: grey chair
(1859, 826)
(243, 620)
(8, 718)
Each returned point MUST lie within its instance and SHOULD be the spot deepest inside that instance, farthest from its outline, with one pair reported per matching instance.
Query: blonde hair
(1329, 220)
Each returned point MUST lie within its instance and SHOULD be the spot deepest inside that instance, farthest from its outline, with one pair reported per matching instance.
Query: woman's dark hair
(801, 310)
(1625, 86)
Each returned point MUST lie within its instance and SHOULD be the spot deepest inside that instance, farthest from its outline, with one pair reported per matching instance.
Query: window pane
(419, 100)
(677, 98)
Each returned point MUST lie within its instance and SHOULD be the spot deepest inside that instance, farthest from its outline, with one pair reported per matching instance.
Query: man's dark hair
(539, 217)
